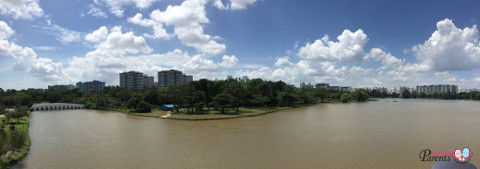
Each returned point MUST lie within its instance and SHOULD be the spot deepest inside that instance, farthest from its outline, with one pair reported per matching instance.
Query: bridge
(56, 106)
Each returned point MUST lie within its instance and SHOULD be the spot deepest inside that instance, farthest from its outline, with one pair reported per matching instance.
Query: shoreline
(17, 156)
(247, 112)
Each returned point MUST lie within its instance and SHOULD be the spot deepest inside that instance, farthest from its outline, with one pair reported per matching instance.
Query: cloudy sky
(347, 42)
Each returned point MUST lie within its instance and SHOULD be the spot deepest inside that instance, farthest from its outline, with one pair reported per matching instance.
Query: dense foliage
(474, 95)
(195, 97)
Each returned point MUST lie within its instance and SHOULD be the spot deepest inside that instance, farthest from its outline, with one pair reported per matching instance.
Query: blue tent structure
(168, 107)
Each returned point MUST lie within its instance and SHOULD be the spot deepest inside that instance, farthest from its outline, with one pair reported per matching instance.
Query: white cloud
(26, 58)
(116, 6)
(98, 35)
(5, 30)
(387, 59)
(283, 62)
(198, 63)
(229, 61)
(62, 34)
(158, 31)
(187, 20)
(21, 9)
(45, 48)
(234, 4)
(118, 43)
(450, 48)
(348, 48)
(95, 11)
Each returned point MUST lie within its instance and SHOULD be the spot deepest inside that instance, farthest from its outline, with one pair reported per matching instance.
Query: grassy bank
(211, 114)
(22, 125)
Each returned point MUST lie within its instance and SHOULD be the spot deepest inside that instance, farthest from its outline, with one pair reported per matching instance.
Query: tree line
(197, 96)
(474, 95)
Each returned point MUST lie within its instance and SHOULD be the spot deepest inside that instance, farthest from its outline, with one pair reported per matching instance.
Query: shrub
(143, 107)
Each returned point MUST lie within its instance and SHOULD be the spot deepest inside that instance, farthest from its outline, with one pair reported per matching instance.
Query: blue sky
(353, 43)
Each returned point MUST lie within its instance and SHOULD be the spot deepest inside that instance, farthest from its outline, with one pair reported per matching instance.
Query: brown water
(357, 135)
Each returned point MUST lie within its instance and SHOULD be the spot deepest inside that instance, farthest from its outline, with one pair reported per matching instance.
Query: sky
(353, 43)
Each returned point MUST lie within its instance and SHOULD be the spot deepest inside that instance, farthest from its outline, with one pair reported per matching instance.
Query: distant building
(322, 86)
(244, 79)
(437, 89)
(61, 87)
(89, 87)
(229, 77)
(340, 88)
(135, 80)
(172, 77)
(148, 82)
(303, 85)
(35, 89)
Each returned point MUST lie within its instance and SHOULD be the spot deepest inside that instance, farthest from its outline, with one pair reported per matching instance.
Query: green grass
(210, 114)
(230, 114)
(155, 113)
(17, 155)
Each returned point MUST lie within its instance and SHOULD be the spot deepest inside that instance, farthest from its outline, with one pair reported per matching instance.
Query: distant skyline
(350, 43)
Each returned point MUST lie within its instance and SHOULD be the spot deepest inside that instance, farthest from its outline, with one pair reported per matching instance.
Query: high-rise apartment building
(61, 87)
(172, 77)
(437, 89)
(135, 80)
(89, 87)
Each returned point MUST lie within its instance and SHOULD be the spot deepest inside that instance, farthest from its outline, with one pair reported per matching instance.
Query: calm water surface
(357, 135)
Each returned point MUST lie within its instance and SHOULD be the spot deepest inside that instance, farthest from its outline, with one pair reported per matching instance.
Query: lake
(369, 135)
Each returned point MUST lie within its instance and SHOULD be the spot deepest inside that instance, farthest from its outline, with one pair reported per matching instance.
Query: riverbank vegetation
(14, 140)
(203, 97)
(474, 95)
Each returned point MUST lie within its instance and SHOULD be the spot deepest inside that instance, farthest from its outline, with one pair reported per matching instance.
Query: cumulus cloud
(229, 61)
(450, 48)
(348, 48)
(387, 59)
(21, 9)
(98, 35)
(234, 4)
(159, 31)
(26, 59)
(187, 20)
(116, 6)
(283, 62)
(118, 43)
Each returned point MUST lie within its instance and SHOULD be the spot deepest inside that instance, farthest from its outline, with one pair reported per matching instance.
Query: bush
(133, 103)
(18, 139)
(346, 97)
(143, 107)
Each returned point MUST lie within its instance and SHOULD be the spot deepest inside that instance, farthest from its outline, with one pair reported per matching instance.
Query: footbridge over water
(56, 106)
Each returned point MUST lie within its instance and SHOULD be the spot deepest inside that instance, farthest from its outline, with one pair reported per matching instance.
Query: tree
(23, 99)
(346, 97)
(198, 100)
(152, 97)
(143, 107)
(238, 92)
(258, 99)
(133, 102)
(124, 94)
(406, 94)
(223, 101)
(321, 93)
(361, 95)
(2, 109)
(18, 113)
(302, 97)
(286, 98)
